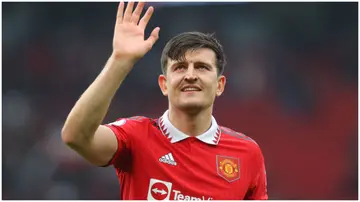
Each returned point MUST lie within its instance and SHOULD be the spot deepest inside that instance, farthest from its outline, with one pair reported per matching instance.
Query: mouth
(190, 89)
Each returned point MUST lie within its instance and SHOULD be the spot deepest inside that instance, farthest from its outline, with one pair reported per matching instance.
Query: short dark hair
(176, 48)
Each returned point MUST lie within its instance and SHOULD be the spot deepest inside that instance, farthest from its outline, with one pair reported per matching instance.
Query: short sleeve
(123, 129)
(258, 190)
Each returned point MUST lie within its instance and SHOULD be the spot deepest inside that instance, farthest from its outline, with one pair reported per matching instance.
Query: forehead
(204, 55)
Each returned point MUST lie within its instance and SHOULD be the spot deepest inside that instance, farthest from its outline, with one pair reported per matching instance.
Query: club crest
(228, 167)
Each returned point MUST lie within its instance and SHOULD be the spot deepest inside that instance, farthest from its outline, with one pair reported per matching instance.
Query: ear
(221, 85)
(162, 84)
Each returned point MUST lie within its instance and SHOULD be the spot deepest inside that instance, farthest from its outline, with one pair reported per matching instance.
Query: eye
(202, 67)
(179, 67)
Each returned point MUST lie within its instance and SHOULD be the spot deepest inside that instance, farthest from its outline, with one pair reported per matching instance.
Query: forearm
(90, 110)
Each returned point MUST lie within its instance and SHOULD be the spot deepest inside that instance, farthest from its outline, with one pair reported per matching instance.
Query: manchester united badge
(228, 167)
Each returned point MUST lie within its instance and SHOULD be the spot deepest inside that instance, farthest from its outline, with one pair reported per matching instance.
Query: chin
(193, 107)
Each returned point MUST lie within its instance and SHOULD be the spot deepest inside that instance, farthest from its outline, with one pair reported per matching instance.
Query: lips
(190, 88)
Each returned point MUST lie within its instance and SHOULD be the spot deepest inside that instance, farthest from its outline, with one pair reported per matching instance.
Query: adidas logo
(168, 158)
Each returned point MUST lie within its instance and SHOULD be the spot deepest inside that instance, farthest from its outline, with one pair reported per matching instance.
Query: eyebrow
(177, 63)
(196, 63)
(204, 63)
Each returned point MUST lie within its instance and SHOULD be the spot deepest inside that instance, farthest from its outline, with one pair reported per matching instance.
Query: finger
(119, 15)
(136, 15)
(154, 36)
(128, 11)
(145, 19)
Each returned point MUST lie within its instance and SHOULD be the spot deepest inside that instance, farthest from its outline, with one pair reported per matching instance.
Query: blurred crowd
(292, 78)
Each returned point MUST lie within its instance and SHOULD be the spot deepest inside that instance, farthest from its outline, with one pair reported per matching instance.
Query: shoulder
(243, 141)
(134, 121)
(233, 135)
(134, 127)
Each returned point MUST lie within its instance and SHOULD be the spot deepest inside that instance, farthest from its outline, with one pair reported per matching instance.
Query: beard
(193, 107)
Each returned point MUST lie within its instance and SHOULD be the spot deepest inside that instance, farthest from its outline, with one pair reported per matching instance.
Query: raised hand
(129, 41)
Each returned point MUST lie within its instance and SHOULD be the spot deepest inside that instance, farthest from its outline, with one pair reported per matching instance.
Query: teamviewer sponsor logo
(159, 190)
(168, 158)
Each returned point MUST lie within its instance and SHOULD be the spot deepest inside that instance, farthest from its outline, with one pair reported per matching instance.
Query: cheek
(173, 83)
(213, 86)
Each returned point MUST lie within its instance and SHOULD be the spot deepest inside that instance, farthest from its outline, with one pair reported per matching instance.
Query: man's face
(192, 84)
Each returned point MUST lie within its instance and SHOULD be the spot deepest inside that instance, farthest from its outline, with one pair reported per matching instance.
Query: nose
(191, 74)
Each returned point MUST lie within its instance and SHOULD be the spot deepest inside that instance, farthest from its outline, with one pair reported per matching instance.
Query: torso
(202, 171)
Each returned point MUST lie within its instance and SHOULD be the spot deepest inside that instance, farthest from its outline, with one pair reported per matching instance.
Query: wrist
(123, 58)
(118, 65)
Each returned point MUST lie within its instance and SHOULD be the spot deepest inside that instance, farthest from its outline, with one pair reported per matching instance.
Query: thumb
(154, 36)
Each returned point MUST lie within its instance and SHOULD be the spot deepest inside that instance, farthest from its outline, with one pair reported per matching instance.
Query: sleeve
(123, 128)
(258, 190)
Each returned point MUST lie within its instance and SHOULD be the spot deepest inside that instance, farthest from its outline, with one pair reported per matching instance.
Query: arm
(82, 130)
(258, 191)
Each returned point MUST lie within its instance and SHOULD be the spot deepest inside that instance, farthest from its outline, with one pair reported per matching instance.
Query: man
(184, 154)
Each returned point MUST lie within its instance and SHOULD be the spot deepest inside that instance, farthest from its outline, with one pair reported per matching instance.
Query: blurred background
(292, 86)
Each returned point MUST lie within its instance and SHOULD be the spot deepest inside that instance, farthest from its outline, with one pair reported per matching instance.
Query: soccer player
(182, 155)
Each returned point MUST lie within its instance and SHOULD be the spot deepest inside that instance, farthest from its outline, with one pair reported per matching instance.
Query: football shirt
(156, 161)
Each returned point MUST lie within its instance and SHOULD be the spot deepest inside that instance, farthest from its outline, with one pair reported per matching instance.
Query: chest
(192, 170)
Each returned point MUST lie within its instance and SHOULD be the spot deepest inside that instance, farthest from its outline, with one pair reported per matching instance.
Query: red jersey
(156, 161)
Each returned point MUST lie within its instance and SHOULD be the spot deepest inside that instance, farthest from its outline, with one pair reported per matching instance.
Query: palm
(129, 39)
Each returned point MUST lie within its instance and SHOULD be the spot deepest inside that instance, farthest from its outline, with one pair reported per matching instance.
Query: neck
(193, 124)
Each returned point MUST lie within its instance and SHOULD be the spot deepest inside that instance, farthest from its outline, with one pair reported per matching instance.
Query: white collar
(211, 136)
